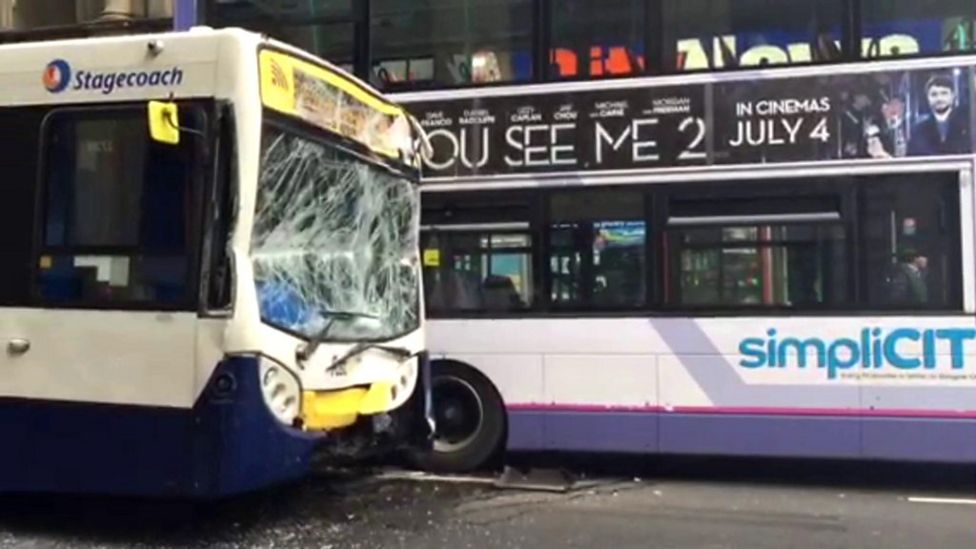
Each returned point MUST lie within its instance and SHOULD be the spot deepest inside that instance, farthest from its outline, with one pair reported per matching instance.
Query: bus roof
(206, 63)
(136, 66)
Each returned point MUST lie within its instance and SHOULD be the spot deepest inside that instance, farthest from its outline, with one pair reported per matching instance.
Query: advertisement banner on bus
(565, 132)
(867, 115)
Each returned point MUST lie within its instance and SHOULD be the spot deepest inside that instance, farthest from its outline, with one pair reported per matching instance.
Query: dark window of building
(333, 42)
(118, 212)
(724, 34)
(28, 15)
(597, 253)
(257, 9)
(597, 38)
(909, 227)
(451, 42)
(325, 28)
(893, 28)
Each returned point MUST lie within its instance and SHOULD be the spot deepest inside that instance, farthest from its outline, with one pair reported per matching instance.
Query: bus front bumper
(409, 427)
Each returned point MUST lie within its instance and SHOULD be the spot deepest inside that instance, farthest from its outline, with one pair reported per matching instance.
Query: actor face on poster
(945, 130)
(936, 124)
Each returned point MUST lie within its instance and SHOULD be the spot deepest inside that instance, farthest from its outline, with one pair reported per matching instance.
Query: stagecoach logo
(57, 76)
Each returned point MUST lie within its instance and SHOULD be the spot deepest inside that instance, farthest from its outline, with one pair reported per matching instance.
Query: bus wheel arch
(472, 425)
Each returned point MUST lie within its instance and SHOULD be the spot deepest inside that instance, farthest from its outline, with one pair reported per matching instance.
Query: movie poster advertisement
(875, 115)
(592, 131)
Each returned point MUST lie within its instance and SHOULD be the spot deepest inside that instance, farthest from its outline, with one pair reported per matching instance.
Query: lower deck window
(772, 265)
(596, 249)
(480, 271)
(873, 243)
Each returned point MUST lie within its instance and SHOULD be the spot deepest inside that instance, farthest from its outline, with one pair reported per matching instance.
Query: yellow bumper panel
(324, 410)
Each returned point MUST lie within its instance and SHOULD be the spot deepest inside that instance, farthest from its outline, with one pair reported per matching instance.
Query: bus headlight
(281, 390)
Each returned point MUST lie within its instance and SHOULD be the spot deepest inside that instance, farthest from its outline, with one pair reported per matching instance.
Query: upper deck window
(725, 34)
(597, 38)
(894, 28)
(451, 42)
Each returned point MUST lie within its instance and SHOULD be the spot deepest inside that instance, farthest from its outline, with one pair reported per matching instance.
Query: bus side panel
(920, 439)
(75, 447)
(760, 435)
(718, 391)
(914, 434)
(228, 443)
(582, 381)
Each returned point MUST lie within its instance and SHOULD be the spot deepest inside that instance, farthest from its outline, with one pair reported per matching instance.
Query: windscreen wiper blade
(400, 352)
(306, 351)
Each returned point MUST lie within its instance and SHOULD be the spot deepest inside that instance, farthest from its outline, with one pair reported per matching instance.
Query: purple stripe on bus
(526, 431)
(903, 439)
(751, 410)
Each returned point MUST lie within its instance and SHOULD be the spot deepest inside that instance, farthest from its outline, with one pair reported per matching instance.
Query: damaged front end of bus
(334, 256)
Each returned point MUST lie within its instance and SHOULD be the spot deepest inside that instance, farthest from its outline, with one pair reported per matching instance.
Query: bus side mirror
(164, 123)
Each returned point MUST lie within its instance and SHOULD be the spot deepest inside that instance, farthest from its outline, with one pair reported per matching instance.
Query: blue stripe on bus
(228, 443)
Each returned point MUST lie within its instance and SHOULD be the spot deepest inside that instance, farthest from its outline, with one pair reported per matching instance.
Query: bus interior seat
(501, 294)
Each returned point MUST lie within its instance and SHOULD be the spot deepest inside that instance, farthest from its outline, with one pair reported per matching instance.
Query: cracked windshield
(334, 242)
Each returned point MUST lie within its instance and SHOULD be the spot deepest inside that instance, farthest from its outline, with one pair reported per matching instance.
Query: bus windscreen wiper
(306, 351)
(400, 352)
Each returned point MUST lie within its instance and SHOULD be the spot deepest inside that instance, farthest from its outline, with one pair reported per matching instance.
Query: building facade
(428, 44)
(40, 19)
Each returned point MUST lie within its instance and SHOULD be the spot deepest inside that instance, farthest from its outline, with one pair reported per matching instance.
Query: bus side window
(18, 164)
(118, 212)
(597, 257)
(478, 253)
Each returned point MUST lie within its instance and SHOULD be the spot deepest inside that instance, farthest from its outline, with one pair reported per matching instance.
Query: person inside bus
(946, 129)
(907, 284)
(501, 294)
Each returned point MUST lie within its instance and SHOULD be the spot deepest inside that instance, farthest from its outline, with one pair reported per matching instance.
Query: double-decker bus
(760, 263)
(210, 266)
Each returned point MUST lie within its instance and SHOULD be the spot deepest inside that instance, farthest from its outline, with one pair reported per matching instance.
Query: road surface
(724, 508)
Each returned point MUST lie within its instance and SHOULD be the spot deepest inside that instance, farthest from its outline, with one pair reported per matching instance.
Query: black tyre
(470, 419)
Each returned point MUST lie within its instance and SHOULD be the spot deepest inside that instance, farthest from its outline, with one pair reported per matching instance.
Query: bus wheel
(470, 419)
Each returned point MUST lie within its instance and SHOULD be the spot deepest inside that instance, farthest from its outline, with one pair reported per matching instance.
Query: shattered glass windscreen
(334, 243)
